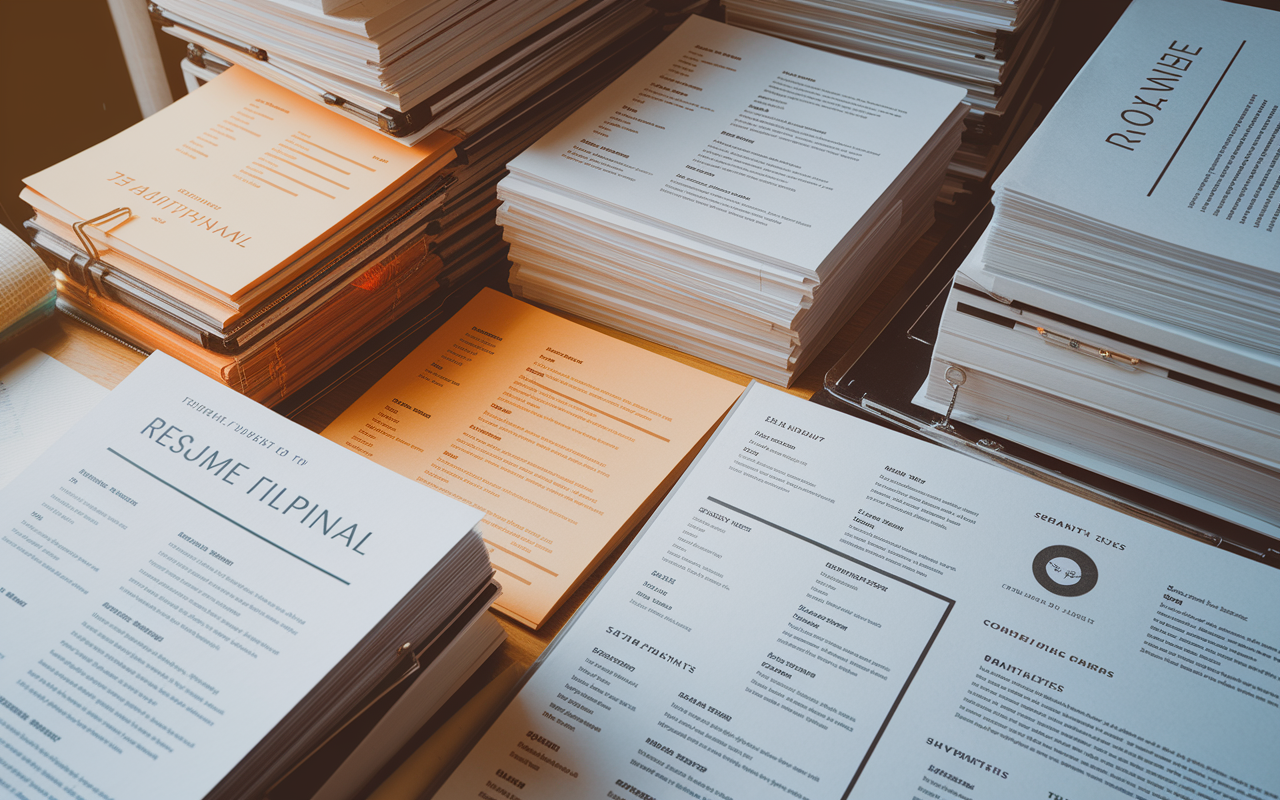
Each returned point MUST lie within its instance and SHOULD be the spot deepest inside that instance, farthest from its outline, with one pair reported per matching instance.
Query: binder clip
(956, 377)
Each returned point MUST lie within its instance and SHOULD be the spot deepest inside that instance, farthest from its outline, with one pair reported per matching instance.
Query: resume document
(826, 609)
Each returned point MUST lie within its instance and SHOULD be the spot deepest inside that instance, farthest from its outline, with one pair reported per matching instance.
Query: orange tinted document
(233, 181)
(564, 436)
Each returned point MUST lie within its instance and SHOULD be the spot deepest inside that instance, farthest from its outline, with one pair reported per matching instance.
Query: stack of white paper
(1196, 426)
(410, 68)
(1137, 231)
(732, 195)
(988, 47)
(198, 593)
(1153, 185)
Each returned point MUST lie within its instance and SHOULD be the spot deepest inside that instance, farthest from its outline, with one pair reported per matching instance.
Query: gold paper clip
(89, 248)
(89, 271)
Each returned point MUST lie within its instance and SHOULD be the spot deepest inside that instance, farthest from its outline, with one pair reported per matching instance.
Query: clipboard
(878, 377)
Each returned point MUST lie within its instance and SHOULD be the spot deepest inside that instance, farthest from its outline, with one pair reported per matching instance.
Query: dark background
(64, 87)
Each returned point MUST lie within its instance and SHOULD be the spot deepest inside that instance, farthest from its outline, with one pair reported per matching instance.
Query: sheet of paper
(825, 609)
(40, 398)
(1177, 122)
(177, 572)
(27, 288)
(233, 181)
(773, 147)
(560, 434)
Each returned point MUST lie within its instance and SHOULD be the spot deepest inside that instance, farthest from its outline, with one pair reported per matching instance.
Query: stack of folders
(253, 234)
(1120, 312)
(732, 195)
(992, 48)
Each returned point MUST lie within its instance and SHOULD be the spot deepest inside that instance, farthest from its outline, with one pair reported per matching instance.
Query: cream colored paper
(561, 434)
(234, 181)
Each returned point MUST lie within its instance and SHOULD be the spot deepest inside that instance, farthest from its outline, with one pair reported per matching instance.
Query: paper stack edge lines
(263, 237)
(424, 238)
(408, 69)
(231, 185)
(996, 51)
(199, 592)
(865, 615)
(1120, 310)
(732, 195)
(564, 436)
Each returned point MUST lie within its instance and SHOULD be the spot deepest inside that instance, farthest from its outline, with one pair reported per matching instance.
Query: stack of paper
(992, 48)
(732, 195)
(1135, 268)
(251, 233)
(409, 68)
(824, 608)
(1137, 401)
(199, 593)
(500, 105)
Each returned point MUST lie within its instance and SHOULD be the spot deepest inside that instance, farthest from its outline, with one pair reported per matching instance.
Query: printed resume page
(178, 571)
(826, 609)
(1174, 126)
(774, 147)
(229, 186)
(563, 435)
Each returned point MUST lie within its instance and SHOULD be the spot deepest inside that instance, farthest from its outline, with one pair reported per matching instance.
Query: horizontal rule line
(213, 510)
(1197, 119)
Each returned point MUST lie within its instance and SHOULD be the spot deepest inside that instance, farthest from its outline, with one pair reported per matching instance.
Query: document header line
(1197, 119)
(210, 508)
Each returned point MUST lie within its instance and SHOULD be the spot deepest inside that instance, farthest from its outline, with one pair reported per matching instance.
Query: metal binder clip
(956, 376)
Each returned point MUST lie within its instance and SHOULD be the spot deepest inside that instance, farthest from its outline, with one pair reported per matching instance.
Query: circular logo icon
(1065, 571)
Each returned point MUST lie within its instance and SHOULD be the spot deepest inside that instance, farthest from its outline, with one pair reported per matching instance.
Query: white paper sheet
(40, 398)
(166, 594)
(1169, 132)
(739, 138)
(827, 609)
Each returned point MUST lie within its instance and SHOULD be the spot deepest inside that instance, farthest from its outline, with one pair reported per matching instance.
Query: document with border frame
(824, 609)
